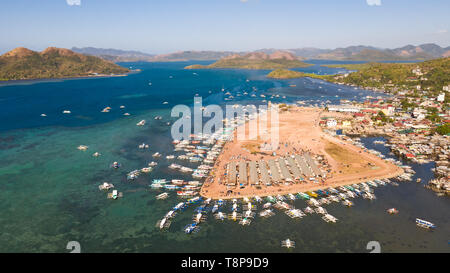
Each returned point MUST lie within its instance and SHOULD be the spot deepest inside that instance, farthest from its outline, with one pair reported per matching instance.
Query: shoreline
(33, 81)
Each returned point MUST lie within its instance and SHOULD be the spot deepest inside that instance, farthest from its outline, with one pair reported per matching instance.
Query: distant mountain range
(22, 63)
(114, 55)
(351, 53)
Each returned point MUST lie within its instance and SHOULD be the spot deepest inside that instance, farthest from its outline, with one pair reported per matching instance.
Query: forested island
(24, 64)
(256, 60)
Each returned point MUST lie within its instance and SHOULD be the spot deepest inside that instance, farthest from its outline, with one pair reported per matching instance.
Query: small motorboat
(82, 147)
(288, 243)
(392, 211)
(163, 195)
(105, 186)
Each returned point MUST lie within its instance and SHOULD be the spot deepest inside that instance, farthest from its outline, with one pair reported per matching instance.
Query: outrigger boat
(258, 199)
(152, 164)
(163, 195)
(245, 221)
(248, 214)
(424, 224)
(313, 202)
(271, 199)
(105, 186)
(291, 196)
(312, 194)
(178, 182)
(133, 174)
(329, 218)
(220, 216)
(249, 206)
(320, 210)
(266, 213)
(280, 198)
(190, 228)
(294, 213)
(288, 243)
(215, 208)
(303, 196)
(146, 170)
(369, 196)
(282, 205)
(308, 210)
(156, 186)
(163, 223)
(179, 206)
(170, 214)
(235, 216)
(392, 211)
(114, 194)
(171, 187)
(143, 146)
(348, 203)
(199, 217)
(234, 207)
(194, 200)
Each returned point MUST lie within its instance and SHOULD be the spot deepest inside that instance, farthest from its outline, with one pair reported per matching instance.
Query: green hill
(256, 60)
(290, 74)
(434, 74)
(22, 63)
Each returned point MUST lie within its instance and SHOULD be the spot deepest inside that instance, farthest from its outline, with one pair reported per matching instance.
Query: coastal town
(416, 127)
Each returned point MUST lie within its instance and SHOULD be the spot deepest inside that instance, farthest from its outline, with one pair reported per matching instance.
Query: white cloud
(243, 1)
(442, 31)
(73, 2)
(373, 2)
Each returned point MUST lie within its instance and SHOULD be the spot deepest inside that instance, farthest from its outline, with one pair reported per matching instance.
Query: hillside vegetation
(22, 63)
(256, 60)
(432, 76)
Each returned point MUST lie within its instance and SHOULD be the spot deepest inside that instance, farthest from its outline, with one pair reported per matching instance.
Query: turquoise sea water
(49, 190)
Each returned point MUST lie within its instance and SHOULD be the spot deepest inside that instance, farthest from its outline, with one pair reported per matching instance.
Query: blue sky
(162, 26)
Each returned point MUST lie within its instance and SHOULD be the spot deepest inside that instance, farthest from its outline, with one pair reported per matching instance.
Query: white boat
(82, 147)
(179, 206)
(266, 213)
(141, 123)
(163, 223)
(143, 146)
(234, 216)
(105, 186)
(329, 218)
(288, 243)
(115, 194)
(66, 112)
(220, 216)
(424, 224)
(320, 210)
(248, 214)
(347, 203)
(146, 170)
(291, 196)
(245, 221)
(163, 195)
